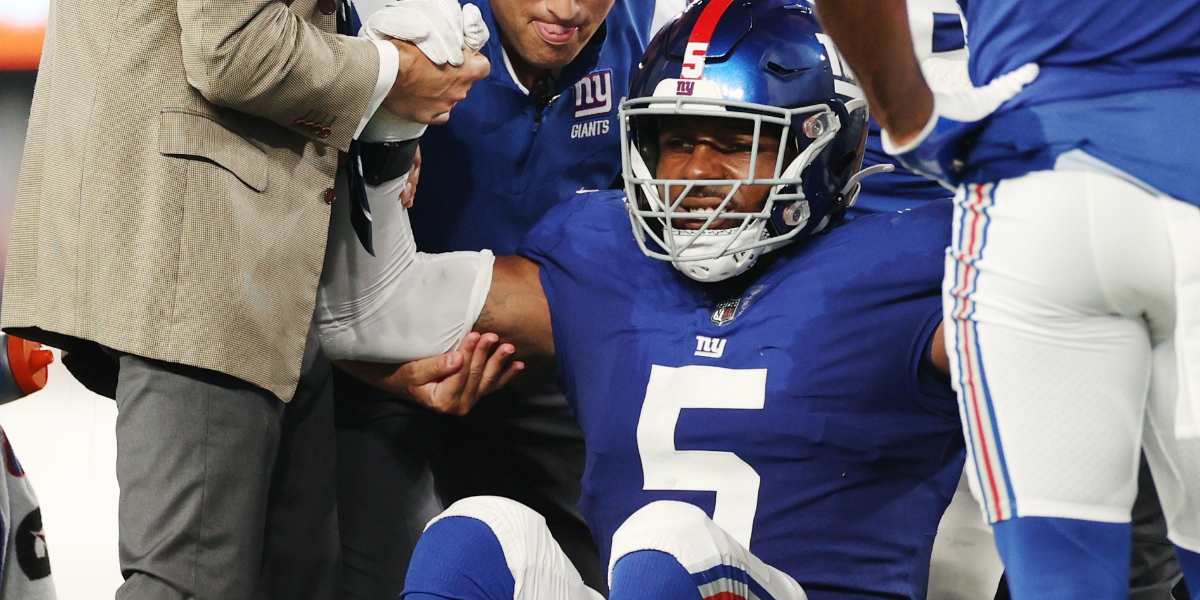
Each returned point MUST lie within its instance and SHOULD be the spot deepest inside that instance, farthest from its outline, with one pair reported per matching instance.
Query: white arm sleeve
(399, 305)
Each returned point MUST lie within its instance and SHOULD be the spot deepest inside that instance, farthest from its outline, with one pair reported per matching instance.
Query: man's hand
(439, 44)
(425, 92)
(934, 151)
(442, 29)
(451, 383)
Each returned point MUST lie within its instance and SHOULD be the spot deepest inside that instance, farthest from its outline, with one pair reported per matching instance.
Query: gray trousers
(226, 492)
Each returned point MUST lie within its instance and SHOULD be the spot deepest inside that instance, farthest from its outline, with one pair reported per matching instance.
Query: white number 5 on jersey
(672, 389)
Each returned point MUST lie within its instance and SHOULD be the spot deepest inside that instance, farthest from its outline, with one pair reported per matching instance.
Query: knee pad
(458, 557)
(716, 561)
(540, 569)
(676, 528)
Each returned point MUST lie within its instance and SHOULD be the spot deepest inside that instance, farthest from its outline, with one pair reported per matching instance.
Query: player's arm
(937, 350)
(923, 128)
(875, 39)
(516, 309)
(514, 323)
(379, 315)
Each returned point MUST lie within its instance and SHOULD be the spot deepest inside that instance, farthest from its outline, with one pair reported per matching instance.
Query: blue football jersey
(500, 162)
(798, 412)
(938, 30)
(1119, 81)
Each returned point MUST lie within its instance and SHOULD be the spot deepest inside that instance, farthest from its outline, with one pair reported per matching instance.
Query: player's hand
(409, 193)
(453, 382)
(440, 28)
(425, 92)
(935, 151)
(439, 44)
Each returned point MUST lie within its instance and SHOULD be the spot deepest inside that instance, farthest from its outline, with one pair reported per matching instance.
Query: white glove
(440, 28)
(957, 114)
(946, 75)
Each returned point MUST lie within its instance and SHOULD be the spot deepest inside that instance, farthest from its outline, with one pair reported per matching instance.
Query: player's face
(548, 34)
(695, 148)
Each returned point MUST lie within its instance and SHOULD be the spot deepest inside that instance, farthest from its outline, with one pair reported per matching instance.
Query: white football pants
(1071, 305)
(541, 570)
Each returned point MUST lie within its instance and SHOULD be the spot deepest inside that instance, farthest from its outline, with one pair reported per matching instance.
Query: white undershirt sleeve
(399, 305)
(389, 69)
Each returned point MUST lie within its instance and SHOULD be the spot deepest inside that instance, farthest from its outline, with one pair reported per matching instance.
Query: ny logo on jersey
(594, 94)
(710, 347)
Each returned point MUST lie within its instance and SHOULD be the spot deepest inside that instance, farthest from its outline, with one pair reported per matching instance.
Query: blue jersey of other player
(1120, 82)
(799, 413)
(502, 161)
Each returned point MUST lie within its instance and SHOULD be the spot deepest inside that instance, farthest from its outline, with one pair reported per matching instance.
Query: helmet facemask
(691, 240)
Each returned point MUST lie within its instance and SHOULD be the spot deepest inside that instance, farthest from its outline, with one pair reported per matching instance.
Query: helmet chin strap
(728, 265)
(725, 266)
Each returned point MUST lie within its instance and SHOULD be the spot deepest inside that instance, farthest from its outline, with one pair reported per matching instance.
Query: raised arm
(875, 39)
(924, 129)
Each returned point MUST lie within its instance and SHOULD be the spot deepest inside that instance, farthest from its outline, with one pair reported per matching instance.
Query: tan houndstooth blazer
(173, 195)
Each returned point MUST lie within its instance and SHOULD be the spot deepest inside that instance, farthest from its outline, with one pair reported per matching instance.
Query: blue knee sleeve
(1190, 562)
(458, 558)
(1065, 559)
(651, 575)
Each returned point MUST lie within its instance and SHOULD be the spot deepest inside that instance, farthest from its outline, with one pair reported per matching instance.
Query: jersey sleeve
(568, 237)
(918, 238)
(930, 386)
(580, 247)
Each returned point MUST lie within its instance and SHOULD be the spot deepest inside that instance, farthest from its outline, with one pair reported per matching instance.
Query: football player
(1071, 287)
(762, 391)
(539, 127)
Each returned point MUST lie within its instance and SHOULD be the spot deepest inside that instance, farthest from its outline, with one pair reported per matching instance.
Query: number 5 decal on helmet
(693, 60)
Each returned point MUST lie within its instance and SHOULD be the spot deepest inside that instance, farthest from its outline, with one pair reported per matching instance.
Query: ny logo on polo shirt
(594, 94)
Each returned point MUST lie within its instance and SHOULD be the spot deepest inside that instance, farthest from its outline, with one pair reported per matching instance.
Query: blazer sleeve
(261, 58)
